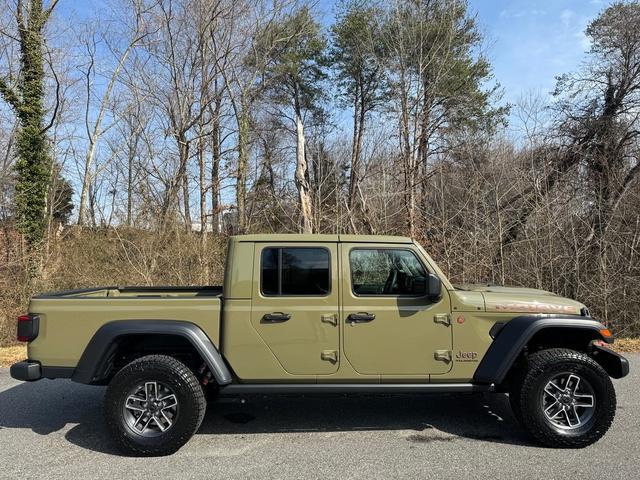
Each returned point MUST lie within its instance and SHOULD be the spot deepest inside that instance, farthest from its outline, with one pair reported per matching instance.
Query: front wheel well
(577, 339)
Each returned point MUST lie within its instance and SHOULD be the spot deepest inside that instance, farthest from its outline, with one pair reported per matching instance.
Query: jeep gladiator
(316, 314)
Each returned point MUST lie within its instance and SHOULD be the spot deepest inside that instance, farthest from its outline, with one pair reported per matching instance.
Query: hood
(524, 300)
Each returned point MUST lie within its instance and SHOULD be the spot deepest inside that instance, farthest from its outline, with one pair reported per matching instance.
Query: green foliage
(438, 42)
(357, 52)
(294, 55)
(616, 30)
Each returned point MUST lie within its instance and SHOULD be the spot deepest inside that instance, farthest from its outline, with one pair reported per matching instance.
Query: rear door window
(291, 271)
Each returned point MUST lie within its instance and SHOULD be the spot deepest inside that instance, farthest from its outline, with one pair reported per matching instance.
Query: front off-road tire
(565, 399)
(153, 406)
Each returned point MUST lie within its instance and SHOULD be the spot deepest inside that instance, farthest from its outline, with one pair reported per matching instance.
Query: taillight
(28, 326)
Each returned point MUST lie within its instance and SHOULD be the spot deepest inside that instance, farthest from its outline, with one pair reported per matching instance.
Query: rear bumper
(26, 371)
(30, 371)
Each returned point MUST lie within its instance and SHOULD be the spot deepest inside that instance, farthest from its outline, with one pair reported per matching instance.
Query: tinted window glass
(295, 271)
(270, 271)
(386, 272)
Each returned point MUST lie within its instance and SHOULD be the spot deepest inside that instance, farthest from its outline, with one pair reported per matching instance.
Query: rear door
(295, 305)
(391, 326)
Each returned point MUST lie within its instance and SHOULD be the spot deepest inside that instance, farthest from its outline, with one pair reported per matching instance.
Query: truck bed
(69, 319)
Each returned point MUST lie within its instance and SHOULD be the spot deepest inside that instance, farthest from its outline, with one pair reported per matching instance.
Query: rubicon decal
(535, 307)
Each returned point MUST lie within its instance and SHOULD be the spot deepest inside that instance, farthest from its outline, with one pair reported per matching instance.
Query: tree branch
(9, 94)
(57, 105)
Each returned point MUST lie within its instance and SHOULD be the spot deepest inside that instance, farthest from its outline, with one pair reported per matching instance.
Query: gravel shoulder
(54, 429)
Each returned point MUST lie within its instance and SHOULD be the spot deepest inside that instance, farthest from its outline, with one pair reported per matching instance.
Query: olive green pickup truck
(318, 314)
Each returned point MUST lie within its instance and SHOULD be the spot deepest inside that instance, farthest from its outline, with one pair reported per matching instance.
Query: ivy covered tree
(25, 94)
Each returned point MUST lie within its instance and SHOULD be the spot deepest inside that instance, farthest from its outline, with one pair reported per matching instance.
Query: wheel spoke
(553, 389)
(142, 419)
(572, 417)
(151, 390)
(159, 423)
(170, 401)
(583, 400)
(133, 402)
(573, 382)
(166, 419)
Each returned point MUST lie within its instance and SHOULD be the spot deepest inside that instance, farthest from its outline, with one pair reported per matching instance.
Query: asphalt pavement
(54, 429)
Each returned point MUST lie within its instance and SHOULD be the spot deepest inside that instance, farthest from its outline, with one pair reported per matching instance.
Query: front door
(295, 305)
(391, 326)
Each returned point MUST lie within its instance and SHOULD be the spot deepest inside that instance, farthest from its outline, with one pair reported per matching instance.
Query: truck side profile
(323, 314)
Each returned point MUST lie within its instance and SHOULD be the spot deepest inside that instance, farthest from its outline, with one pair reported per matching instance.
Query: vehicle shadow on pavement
(419, 418)
(47, 406)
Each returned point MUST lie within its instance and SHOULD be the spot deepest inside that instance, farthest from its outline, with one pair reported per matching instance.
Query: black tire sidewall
(533, 414)
(189, 407)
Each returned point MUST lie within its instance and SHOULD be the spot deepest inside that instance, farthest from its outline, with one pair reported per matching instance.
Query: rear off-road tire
(153, 406)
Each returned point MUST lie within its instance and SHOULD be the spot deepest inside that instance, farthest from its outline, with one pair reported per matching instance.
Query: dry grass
(9, 355)
(627, 345)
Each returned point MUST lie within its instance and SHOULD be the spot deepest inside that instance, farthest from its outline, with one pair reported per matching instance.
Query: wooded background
(135, 142)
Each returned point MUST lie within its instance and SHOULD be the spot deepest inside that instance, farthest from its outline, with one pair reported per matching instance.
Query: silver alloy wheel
(151, 408)
(568, 401)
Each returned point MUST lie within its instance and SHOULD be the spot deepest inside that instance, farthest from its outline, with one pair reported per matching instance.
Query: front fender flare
(98, 348)
(515, 335)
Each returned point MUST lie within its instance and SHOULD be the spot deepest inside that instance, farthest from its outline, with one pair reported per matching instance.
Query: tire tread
(538, 363)
(184, 375)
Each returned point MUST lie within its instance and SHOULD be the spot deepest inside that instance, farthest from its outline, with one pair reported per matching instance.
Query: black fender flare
(100, 345)
(514, 335)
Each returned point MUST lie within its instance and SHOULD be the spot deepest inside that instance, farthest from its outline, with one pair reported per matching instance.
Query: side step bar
(333, 388)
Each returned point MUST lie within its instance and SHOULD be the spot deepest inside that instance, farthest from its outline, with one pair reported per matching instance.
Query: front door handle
(276, 317)
(361, 317)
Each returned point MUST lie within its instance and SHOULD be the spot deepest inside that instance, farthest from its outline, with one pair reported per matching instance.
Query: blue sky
(531, 42)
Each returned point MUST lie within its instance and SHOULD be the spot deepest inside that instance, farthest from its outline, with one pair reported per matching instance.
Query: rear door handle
(276, 317)
(361, 317)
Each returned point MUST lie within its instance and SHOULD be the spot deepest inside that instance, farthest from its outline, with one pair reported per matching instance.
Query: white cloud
(566, 16)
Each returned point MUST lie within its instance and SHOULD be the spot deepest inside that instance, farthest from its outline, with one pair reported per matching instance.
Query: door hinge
(329, 356)
(442, 355)
(330, 318)
(443, 318)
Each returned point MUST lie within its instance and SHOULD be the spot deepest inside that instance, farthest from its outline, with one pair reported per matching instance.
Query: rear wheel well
(125, 349)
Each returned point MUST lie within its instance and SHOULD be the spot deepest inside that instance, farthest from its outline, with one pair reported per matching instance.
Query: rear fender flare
(101, 344)
(511, 339)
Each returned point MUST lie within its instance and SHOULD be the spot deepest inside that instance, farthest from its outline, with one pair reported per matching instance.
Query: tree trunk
(95, 133)
(355, 152)
(130, 186)
(203, 188)
(243, 164)
(215, 165)
(184, 180)
(302, 174)
(407, 160)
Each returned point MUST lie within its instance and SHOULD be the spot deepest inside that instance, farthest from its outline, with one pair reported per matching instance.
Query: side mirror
(434, 287)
